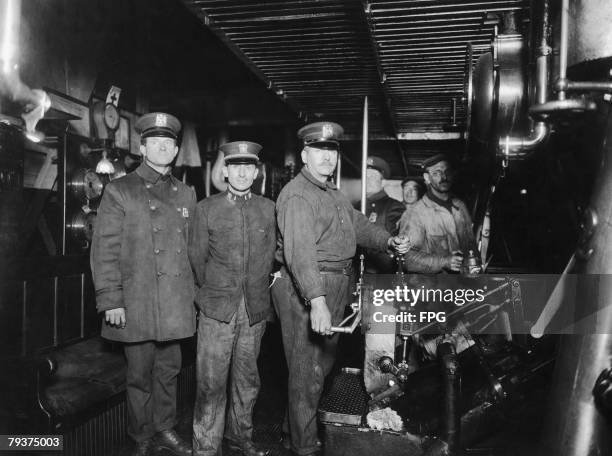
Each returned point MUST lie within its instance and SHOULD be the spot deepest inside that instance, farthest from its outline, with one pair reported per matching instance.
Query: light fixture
(38, 105)
(105, 166)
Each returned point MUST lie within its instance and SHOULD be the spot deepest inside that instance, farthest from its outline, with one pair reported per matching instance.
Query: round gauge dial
(111, 117)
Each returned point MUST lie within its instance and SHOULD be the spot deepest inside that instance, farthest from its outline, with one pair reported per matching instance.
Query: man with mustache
(439, 226)
(318, 231)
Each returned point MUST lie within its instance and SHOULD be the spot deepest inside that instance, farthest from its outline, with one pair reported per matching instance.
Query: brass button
(155, 229)
(178, 230)
(179, 251)
(153, 208)
(156, 251)
(148, 185)
(178, 209)
(159, 273)
(175, 188)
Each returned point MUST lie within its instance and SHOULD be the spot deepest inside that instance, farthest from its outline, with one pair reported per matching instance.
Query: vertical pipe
(563, 45)
(82, 323)
(207, 175)
(24, 317)
(11, 18)
(339, 172)
(55, 304)
(62, 174)
(364, 155)
(450, 372)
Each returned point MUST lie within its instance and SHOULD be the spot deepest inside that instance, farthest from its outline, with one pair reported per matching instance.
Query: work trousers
(310, 357)
(152, 368)
(226, 350)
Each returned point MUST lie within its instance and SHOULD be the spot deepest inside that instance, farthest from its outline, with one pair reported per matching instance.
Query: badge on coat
(185, 212)
(373, 217)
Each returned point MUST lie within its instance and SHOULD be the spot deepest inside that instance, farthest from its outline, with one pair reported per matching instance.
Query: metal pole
(563, 46)
(339, 172)
(207, 178)
(364, 155)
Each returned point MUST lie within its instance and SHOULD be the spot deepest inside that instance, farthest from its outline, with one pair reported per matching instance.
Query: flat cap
(158, 124)
(240, 152)
(323, 135)
(380, 165)
(417, 180)
(435, 159)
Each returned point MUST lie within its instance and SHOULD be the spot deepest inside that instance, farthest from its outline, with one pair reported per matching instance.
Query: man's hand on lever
(320, 318)
(399, 244)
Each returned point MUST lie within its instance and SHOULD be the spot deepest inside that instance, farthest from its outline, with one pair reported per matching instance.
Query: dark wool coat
(139, 257)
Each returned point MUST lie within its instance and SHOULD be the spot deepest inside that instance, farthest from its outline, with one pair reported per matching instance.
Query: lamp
(105, 166)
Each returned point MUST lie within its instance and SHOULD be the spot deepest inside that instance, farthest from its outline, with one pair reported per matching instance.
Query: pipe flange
(561, 109)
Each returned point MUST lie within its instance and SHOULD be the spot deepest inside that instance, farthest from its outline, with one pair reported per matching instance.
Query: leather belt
(346, 270)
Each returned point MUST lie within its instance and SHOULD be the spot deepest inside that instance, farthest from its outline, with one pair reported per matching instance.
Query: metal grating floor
(346, 400)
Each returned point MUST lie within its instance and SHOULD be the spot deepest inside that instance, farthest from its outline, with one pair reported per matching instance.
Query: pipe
(514, 147)
(519, 147)
(563, 46)
(207, 178)
(564, 85)
(364, 155)
(339, 172)
(448, 357)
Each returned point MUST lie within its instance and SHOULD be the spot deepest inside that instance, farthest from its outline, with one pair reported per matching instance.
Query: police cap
(380, 165)
(434, 160)
(240, 152)
(322, 135)
(158, 124)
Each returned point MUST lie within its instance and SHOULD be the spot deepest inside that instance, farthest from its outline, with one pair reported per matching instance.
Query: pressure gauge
(111, 117)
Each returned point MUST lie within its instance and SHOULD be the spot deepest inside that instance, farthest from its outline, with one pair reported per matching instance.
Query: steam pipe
(563, 46)
(450, 366)
(339, 172)
(364, 155)
(518, 147)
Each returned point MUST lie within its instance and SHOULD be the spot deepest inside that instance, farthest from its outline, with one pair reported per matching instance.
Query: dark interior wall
(67, 43)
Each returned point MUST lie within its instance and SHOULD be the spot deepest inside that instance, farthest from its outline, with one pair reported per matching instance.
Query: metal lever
(348, 329)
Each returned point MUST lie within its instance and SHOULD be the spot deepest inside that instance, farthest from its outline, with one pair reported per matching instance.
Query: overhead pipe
(519, 147)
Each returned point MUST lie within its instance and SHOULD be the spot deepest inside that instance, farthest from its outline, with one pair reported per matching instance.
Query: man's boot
(169, 440)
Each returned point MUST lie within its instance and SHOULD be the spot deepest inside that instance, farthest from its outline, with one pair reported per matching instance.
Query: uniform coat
(232, 252)
(385, 212)
(139, 256)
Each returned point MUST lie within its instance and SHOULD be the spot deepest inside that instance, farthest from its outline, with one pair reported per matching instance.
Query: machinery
(510, 113)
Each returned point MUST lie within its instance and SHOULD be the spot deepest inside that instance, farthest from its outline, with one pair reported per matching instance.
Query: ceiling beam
(219, 33)
(410, 136)
(389, 114)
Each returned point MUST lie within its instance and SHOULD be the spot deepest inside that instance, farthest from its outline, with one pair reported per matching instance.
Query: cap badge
(327, 131)
(161, 120)
(370, 161)
(242, 147)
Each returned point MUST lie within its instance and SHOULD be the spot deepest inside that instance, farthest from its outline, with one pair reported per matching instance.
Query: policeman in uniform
(318, 234)
(439, 225)
(144, 283)
(382, 210)
(232, 252)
